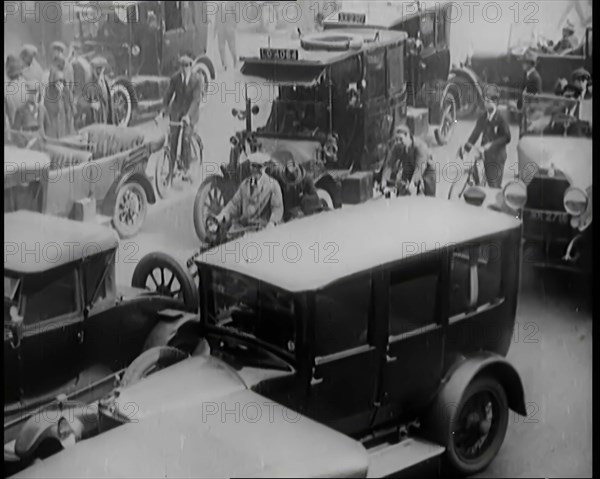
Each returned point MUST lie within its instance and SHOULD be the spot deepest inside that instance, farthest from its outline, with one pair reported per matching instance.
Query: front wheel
(122, 103)
(130, 211)
(149, 362)
(477, 426)
(444, 132)
(160, 273)
(210, 200)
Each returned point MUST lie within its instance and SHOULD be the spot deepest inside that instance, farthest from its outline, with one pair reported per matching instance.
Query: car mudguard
(128, 177)
(471, 78)
(460, 376)
(126, 82)
(181, 332)
(332, 186)
(204, 60)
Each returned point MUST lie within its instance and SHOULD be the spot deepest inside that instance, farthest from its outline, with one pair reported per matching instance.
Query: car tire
(144, 272)
(120, 93)
(149, 362)
(446, 128)
(451, 420)
(210, 199)
(468, 99)
(126, 225)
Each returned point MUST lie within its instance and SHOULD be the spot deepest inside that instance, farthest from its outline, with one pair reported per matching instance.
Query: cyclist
(182, 101)
(409, 164)
(258, 198)
(495, 135)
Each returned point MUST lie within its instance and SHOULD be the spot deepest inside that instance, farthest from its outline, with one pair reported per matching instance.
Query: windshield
(250, 307)
(527, 35)
(555, 116)
(298, 111)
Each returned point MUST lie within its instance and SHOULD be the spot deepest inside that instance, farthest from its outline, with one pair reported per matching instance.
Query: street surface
(552, 342)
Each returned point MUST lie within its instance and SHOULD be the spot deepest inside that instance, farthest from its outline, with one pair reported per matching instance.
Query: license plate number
(346, 17)
(279, 54)
(550, 217)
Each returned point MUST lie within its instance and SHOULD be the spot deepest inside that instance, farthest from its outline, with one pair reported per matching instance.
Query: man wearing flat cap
(409, 164)
(96, 100)
(258, 198)
(568, 40)
(31, 117)
(495, 135)
(182, 102)
(32, 70)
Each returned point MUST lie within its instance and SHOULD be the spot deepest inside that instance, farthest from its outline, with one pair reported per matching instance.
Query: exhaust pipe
(569, 256)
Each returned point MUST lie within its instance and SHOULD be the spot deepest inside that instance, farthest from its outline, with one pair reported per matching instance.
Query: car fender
(184, 328)
(126, 82)
(207, 65)
(128, 177)
(472, 79)
(467, 368)
(332, 186)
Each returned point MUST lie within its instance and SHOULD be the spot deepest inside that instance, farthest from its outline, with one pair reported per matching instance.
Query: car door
(344, 378)
(415, 336)
(51, 344)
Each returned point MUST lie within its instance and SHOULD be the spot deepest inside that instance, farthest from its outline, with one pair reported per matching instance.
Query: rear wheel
(164, 275)
(122, 103)
(468, 97)
(131, 207)
(149, 362)
(210, 200)
(444, 132)
(161, 174)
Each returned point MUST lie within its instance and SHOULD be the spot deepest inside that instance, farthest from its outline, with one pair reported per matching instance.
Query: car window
(412, 302)
(376, 74)
(395, 68)
(173, 19)
(475, 277)
(55, 297)
(93, 272)
(342, 315)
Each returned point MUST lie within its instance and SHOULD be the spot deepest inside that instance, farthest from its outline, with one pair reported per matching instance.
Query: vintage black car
(318, 360)
(505, 69)
(67, 328)
(332, 101)
(555, 161)
(430, 98)
(142, 42)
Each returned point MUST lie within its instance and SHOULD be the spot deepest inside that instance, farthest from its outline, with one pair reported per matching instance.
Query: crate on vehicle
(357, 187)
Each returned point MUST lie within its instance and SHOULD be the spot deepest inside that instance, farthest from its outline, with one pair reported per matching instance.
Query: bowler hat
(29, 49)
(581, 74)
(14, 66)
(259, 157)
(99, 62)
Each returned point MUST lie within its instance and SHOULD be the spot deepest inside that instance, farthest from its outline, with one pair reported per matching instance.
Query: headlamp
(575, 201)
(515, 195)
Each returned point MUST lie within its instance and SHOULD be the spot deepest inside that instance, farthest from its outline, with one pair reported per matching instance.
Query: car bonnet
(572, 156)
(242, 434)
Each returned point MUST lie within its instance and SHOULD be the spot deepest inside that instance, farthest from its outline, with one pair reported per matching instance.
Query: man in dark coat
(532, 82)
(13, 88)
(495, 135)
(182, 101)
(96, 101)
(409, 162)
(579, 86)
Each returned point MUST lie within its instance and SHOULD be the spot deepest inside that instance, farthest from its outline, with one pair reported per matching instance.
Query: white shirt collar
(490, 116)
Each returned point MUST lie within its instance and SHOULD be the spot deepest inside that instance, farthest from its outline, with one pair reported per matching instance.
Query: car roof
(34, 242)
(324, 58)
(312, 252)
(380, 14)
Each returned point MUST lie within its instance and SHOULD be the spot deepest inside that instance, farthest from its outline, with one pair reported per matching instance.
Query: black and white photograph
(313, 238)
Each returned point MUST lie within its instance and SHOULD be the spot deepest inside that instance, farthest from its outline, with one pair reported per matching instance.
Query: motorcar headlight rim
(575, 196)
(515, 195)
(135, 50)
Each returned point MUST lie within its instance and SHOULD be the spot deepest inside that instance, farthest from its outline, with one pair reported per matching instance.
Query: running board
(388, 459)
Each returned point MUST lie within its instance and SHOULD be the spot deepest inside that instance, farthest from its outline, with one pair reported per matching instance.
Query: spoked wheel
(161, 174)
(444, 132)
(478, 426)
(209, 201)
(122, 104)
(197, 149)
(164, 275)
(130, 211)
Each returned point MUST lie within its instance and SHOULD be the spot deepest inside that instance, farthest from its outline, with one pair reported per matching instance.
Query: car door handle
(390, 359)
(80, 337)
(315, 381)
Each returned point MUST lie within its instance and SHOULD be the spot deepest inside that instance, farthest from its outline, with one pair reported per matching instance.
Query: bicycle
(472, 174)
(170, 169)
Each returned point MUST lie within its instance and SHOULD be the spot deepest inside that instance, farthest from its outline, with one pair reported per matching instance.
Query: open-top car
(98, 174)
(430, 98)
(142, 42)
(555, 162)
(332, 101)
(505, 69)
(315, 359)
(68, 330)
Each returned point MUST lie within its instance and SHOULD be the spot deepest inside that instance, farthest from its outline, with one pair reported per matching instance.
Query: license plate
(550, 217)
(347, 17)
(279, 54)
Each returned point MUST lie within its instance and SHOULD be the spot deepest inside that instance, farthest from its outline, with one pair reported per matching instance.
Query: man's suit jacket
(495, 132)
(184, 99)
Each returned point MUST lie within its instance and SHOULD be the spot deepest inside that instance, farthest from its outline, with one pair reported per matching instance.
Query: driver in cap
(258, 198)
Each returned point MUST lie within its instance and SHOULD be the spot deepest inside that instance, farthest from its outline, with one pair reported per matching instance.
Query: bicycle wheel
(162, 179)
